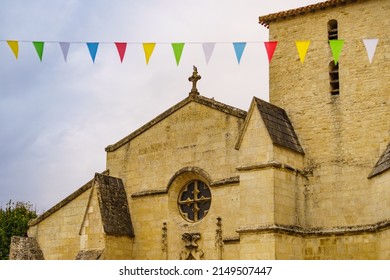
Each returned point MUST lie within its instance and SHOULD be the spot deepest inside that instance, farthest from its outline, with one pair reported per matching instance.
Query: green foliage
(13, 222)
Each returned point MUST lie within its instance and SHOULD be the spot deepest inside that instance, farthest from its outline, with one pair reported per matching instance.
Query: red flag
(121, 49)
(270, 47)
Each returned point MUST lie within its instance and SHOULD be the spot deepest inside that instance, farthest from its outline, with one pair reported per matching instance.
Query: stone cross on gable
(194, 79)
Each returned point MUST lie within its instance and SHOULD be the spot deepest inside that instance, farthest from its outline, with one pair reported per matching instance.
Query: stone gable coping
(63, 202)
(93, 254)
(191, 98)
(265, 20)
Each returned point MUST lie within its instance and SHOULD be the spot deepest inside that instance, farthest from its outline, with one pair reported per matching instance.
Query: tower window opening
(334, 78)
(333, 30)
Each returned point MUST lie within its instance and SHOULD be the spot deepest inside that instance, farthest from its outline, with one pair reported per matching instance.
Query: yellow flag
(302, 47)
(14, 45)
(148, 49)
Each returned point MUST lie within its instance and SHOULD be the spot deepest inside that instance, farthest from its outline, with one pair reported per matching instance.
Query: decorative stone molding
(218, 238)
(191, 251)
(164, 236)
(272, 164)
(309, 232)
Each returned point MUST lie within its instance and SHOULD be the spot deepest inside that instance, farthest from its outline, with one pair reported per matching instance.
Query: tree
(13, 222)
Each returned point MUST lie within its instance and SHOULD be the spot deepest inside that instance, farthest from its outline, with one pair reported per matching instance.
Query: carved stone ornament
(191, 251)
(194, 79)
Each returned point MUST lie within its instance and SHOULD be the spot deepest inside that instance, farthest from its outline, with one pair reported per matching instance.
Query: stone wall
(195, 142)
(342, 135)
(25, 248)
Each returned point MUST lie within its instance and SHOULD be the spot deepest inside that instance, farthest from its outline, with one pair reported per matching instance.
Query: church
(303, 176)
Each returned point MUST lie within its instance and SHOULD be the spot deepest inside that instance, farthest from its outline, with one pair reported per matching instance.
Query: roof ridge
(210, 102)
(265, 20)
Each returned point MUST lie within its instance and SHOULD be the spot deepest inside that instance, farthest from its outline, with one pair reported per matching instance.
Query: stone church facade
(304, 176)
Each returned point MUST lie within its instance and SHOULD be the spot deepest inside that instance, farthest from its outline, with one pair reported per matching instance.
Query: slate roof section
(113, 205)
(279, 126)
(89, 254)
(265, 20)
(383, 163)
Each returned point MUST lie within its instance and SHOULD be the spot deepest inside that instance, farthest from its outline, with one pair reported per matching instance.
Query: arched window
(333, 30)
(334, 78)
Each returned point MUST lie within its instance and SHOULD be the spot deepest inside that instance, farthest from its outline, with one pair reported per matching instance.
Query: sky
(57, 117)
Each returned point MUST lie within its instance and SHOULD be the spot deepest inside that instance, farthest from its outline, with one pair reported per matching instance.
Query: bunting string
(270, 47)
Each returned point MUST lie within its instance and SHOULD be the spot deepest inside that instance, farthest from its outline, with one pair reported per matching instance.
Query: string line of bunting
(208, 48)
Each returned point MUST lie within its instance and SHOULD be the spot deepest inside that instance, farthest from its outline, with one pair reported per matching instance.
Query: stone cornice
(216, 183)
(313, 232)
(272, 164)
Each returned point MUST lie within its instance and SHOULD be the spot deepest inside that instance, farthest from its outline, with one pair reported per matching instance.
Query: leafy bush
(13, 222)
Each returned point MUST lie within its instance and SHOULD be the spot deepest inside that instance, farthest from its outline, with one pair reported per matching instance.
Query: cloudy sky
(57, 117)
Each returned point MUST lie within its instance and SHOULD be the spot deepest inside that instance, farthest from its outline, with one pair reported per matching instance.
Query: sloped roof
(265, 20)
(93, 254)
(113, 205)
(191, 98)
(278, 125)
(63, 202)
(383, 163)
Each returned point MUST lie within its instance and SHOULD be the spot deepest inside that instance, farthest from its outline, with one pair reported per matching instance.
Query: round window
(194, 201)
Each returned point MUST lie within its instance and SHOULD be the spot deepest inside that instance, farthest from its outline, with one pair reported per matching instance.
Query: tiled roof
(265, 20)
(383, 163)
(279, 126)
(113, 205)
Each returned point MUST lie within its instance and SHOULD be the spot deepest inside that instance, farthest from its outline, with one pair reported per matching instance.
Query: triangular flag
(39, 48)
(239, 49)
(370, 45)
(336, 47)
(121, 47)
(64, 48)
(302, 47)
(93, 47)
(177, 50)
(14, 45)
(208, 49)
(148, 50)
(270, 47)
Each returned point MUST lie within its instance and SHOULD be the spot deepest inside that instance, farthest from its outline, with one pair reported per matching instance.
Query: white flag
(370, 45)
(208, 49)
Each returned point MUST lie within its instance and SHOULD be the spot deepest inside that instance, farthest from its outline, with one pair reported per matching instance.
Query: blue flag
(93, 47)
(239, 49)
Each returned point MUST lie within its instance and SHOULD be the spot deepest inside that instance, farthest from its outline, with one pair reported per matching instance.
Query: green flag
(336, 47)
(178, 50)
(39, 48)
